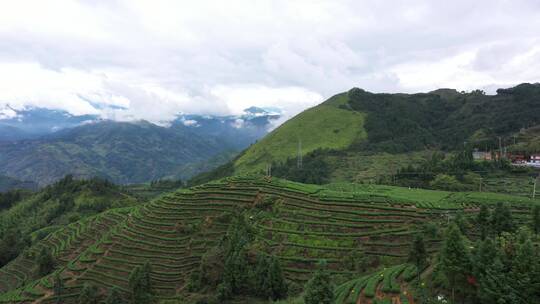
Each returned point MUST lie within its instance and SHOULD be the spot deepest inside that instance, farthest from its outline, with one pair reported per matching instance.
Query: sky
(153, 59)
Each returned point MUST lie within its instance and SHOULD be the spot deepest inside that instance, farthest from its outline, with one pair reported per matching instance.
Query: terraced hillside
(297, 223)
(64, 244)
(388, 285)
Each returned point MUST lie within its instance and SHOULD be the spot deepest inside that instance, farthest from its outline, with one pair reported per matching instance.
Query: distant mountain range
(8, 183)
(35, 122)
(43, 145)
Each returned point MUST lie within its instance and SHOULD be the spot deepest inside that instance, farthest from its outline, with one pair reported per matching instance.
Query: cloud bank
(153, 59)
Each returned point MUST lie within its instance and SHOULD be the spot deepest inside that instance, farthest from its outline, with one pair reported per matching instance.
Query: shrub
(139, 282)
(268, 279)
(446, 182)
(45, 262)
(319, 289)
(114, 297)
(89, 295)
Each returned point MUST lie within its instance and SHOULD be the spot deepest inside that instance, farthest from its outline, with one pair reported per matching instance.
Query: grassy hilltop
(363, 232)
(359, 135)
(326, 126)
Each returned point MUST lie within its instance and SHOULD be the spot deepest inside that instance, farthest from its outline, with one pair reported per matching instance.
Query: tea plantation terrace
(300, 224)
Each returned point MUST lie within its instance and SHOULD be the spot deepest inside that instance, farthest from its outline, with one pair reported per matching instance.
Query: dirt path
(48, 293)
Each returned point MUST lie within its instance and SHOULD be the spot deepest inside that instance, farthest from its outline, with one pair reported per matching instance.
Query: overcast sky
(152, 59)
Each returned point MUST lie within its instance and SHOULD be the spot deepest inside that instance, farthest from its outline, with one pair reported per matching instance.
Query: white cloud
(7, 113)
(190, 123)
(136, 59)
(291, 100)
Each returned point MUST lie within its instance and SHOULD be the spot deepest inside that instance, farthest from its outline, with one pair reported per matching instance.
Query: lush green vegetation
(248, 239)
(326, 126)
(28, 218)
(117, 151)
(365, 137)
(501, 266)
(313, 170)
(444, 118)
(9, 198)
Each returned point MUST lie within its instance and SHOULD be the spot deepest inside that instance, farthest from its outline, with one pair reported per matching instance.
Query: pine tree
(236, 272)
(502, 219)
(485, 256)
(319, 289)
(58, 287)
(461, 222)
(418, 254)
(482, 220)
(89, 295)
(45, 262)
(114, 297)
(236, 268)
(484, 260)
(454, 261)
(139, 281)
(492, 285)
(356, 261)
(277, 280)
(536, 219)
(522, 272)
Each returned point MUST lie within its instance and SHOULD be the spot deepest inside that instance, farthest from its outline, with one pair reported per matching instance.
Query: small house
(481, 155)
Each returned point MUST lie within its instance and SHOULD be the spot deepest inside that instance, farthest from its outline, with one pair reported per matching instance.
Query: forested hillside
(121, 152)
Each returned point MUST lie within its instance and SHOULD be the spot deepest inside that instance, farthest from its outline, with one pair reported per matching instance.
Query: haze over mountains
(43, 145)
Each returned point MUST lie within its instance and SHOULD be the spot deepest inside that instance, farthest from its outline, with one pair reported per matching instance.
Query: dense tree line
(167, 183)
(313, 170)
(502, 265)
(9, 198)
(443, 119)
(457, 172)
(229, 270)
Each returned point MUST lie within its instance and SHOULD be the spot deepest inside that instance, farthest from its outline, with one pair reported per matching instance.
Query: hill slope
(367, 135)
(43, 145)
(326, 126)
(121, 152)
(297, 223)
(28, 217)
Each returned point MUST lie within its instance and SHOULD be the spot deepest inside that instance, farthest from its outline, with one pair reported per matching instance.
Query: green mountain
(361, 136)
(120, 152)
(8, 183)
(244, 240)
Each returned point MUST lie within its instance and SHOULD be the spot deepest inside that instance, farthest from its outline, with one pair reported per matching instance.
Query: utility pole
(500, 149)
(534, 187)
(299, 157)
(480, 185)
(269, 170)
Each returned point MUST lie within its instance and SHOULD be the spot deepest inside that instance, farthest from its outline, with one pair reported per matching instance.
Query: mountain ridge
(403, 128)
(104, 148)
